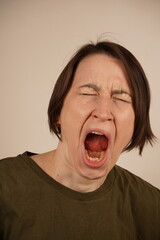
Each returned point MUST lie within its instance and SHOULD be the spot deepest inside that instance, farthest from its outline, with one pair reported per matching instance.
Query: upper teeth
(97, 133)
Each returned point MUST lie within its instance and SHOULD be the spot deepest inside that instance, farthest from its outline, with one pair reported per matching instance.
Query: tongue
(95, 142)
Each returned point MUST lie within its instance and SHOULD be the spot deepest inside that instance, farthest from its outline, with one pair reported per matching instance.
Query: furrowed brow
(92, 86)
(117, 91)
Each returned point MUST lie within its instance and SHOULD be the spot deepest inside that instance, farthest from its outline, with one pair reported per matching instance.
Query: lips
(95, 148)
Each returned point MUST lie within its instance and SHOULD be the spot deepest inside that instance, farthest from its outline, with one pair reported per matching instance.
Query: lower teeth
(95, 159)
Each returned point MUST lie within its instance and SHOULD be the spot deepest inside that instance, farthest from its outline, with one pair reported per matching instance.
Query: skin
(99, 100)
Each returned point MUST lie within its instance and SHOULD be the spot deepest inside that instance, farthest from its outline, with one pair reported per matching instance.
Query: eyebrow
(96, 88)
(117, 91)
(93, 86)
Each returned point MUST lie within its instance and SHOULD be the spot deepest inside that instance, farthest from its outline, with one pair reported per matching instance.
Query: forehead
(100, 69)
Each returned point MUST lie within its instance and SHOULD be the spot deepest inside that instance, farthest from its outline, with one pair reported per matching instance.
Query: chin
(93, 173)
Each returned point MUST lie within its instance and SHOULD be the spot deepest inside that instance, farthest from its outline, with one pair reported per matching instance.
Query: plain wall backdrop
(38, 37)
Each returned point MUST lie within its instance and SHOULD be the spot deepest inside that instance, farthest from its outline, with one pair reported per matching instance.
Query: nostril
(105, 116)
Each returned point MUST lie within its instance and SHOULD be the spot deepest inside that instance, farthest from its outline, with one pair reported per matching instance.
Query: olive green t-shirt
(33, 206)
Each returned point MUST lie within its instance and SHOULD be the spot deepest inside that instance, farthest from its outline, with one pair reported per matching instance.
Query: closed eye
(88, 94)
(121, 99)
(89, 90)
(124, 97)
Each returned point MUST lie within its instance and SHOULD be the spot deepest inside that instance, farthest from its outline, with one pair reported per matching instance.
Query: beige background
(37, 39)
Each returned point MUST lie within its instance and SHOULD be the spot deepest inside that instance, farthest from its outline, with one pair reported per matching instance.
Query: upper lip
(97, 133)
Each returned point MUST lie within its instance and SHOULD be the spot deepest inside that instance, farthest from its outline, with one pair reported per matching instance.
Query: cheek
(75, 112)
(125, 126)
(124, 132)
(71, 120)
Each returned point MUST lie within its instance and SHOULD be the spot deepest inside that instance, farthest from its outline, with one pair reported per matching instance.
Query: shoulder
(7, 163)
(10, 162)
(9, 167)
(141, 193)
(16, 178)
(13, 168)
(133, 181)
(135, 184)
(143, 201)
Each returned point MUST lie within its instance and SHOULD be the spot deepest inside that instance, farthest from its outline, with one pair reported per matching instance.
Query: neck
(62, 172)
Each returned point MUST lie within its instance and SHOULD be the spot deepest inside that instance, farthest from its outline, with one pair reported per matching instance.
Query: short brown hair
(137, 81)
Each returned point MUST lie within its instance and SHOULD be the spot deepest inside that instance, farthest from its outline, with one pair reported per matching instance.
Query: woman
(98, 109)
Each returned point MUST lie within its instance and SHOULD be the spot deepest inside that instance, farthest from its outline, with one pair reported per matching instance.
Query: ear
(58, 122)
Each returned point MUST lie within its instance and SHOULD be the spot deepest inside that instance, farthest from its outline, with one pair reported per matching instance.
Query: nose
(103, 110)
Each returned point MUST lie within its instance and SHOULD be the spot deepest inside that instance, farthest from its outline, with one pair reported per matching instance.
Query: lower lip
(93, 164)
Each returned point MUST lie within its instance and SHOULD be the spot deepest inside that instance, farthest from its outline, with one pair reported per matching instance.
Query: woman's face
(97, 118)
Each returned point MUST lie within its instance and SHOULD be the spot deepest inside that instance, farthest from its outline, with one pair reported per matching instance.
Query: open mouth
(96, 145)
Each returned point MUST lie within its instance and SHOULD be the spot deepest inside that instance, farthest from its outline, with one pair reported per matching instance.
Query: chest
(57, 217)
